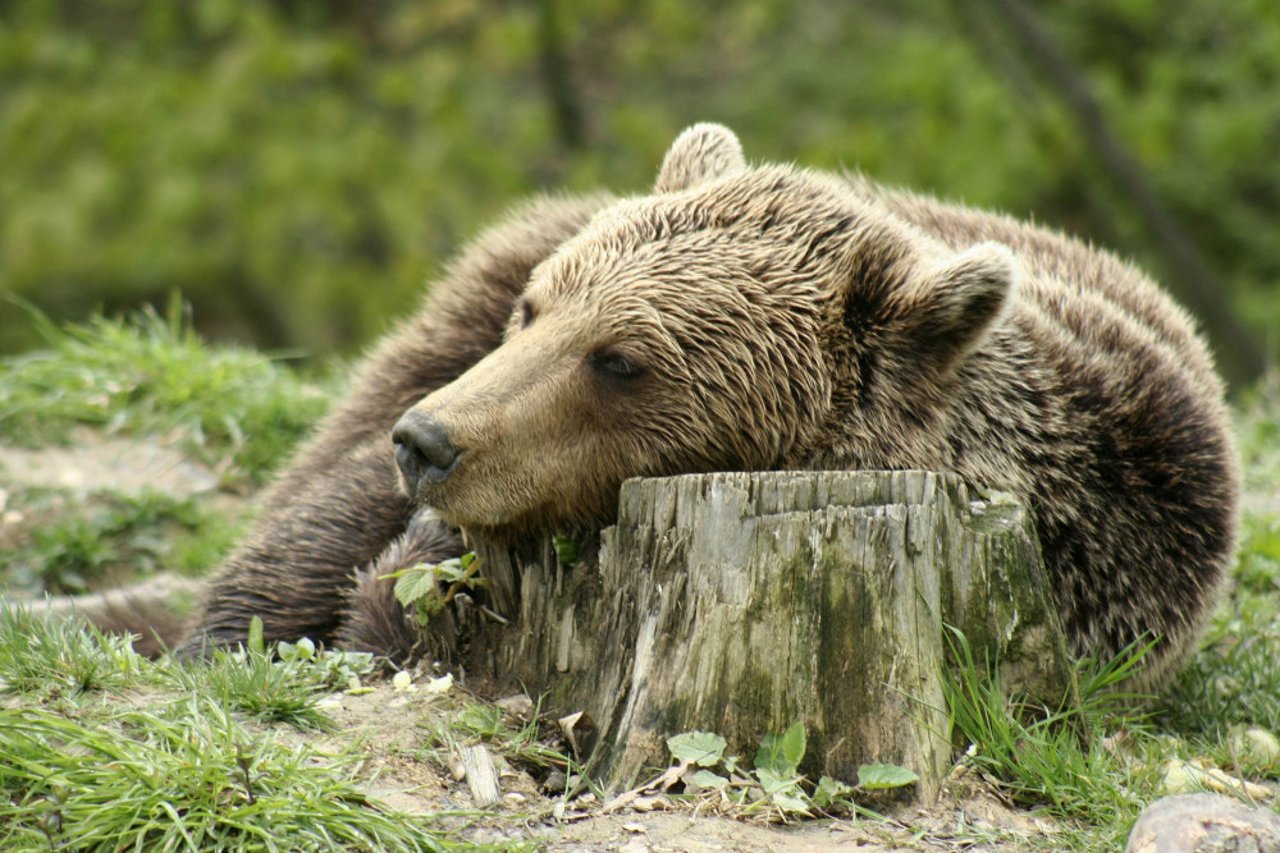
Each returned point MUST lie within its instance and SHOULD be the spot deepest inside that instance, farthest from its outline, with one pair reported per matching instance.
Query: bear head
(732, 320)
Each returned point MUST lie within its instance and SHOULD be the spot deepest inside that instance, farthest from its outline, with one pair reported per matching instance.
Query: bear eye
(614, 366)
(525, 309)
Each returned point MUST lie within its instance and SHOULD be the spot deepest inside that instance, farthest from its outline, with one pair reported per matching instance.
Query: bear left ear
(702, 152)
(946, 312)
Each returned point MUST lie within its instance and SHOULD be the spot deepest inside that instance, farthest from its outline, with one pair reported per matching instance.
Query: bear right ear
(947, 311)
(703, 152)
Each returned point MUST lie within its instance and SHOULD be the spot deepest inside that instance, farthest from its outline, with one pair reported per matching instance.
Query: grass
(1235, 678)
(188, 776)
(60, 657)
(79, 543)
(177, 767)
(1056, 760)
(150, 374)
(524, 745)
(145, 376)
(278, 684)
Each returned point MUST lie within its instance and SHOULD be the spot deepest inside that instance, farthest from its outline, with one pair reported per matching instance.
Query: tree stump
(739, 603)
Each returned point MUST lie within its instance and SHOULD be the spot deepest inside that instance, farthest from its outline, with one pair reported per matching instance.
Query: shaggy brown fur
(338, 506)
(768, 317)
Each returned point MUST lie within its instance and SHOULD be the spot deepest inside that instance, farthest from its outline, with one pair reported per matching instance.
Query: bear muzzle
(424, 452)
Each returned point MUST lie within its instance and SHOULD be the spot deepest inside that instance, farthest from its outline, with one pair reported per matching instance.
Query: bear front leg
(296, 568)
(375, 620)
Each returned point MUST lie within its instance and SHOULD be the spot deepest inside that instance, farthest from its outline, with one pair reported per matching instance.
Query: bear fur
(752, 318)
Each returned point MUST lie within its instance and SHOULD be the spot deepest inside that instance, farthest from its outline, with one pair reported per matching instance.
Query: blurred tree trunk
(1186, 273)
(566, 105)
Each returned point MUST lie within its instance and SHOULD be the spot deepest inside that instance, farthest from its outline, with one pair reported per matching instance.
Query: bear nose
(423, 449)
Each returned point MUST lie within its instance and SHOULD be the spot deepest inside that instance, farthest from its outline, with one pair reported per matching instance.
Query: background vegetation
(297, 168)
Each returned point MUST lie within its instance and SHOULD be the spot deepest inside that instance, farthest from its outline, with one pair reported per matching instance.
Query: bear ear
(703, 152)
(946, 312)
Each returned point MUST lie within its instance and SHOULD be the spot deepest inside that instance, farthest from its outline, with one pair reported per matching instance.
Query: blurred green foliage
(298, 168)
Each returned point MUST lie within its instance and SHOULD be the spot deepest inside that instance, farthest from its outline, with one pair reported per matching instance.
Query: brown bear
(765, 317)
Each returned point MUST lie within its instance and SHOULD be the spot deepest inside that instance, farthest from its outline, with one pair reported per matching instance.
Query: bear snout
(423, 450)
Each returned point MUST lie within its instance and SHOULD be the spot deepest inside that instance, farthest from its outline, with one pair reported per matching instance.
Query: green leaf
(774, 783)
(707, 779)
(782, 753)
(449, 571)
(701, 748)
(876, 777)
(829, 790)
(793, 744)
(256, 645)
(791, 804)
(416, 582)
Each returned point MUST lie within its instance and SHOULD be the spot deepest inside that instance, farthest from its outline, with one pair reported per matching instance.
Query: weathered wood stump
(739, 603)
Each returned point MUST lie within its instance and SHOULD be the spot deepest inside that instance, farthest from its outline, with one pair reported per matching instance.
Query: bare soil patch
(389, 729)
(91, 462)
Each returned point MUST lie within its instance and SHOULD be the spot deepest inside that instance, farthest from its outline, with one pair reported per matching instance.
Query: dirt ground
(91, 462)
(390, 727)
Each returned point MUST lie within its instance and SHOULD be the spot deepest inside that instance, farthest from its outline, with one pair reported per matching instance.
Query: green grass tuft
(152, 375)
(61, 656)
(188, 777)
(1048, 757)
(184, 775)
(273, 684)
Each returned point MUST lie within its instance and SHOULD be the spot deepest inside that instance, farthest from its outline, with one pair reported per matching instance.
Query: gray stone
(1204, 823)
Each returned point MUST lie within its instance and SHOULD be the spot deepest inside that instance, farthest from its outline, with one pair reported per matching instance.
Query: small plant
(1049, 757)
(524, 745)
(774, 786)
(59, 655)
(566, 548)
(280, 684)
(429, 587)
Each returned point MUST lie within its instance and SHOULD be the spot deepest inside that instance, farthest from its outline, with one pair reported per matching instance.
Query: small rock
(1188, 777)
(519, 706)
(554, 782)
(648, 804)
(1257, 745)
(441, 684)
(1204, 823)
